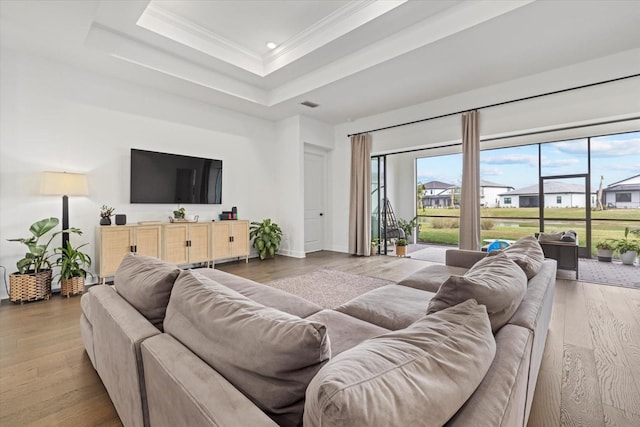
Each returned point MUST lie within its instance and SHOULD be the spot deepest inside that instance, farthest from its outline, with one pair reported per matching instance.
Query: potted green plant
(73, 265)
(374, 246)
(627, 247)
(106, 212)
(401, 247)
(604, 250)
(408, 226)
(266, 236)
(179, 213)
(32, 281)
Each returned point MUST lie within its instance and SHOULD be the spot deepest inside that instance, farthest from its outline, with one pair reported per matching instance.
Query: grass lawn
(445, 230)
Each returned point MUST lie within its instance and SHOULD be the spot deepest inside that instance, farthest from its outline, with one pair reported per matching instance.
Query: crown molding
(342, 21)
(167, 24)
(142, 54)
(328, 29)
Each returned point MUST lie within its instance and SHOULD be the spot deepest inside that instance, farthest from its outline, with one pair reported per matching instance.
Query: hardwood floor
(590, 373)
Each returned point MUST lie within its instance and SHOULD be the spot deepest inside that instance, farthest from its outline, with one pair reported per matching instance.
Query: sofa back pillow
(145, 283)
(417, 376)
(495, 281)
(267, 354)
(527, 253)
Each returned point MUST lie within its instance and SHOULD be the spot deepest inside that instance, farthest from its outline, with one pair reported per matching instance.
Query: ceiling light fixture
(309, 104)
(271, 45)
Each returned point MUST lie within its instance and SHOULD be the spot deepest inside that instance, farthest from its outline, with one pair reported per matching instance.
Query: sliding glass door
(565, 205)
(378, 195)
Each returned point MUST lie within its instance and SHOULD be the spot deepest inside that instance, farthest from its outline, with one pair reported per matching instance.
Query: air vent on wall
(309, 104)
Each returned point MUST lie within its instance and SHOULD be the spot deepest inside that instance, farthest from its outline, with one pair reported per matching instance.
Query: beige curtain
(360, 197)
(470, 192)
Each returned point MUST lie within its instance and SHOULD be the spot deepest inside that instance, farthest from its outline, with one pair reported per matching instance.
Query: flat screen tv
(172, 178)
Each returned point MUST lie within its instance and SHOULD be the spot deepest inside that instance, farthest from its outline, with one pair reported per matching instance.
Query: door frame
(317, 151)
(583, 251)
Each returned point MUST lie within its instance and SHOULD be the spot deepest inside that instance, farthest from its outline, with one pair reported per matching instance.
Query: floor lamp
(64, 184)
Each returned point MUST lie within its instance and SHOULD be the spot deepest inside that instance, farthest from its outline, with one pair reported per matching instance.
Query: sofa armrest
(462, 257)
(184, 390)
(118, 330)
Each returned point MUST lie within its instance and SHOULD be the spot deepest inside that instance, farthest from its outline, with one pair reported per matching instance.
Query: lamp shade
(64, 184)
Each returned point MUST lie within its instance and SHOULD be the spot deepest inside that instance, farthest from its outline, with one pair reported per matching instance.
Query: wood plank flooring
(590, 373)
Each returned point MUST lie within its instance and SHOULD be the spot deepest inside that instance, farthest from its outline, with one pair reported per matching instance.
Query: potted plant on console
(266, 236)
(604, 250)
(106, 212)
(32, 281)
(628, 248)
(73, 264)
(179, 213)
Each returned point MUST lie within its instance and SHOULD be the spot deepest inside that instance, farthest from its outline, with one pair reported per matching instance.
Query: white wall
(59, 118)
(288, 169)
(292, 135)
(401, 185)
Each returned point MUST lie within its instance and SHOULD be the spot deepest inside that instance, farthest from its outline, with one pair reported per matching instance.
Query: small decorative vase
(105, 221)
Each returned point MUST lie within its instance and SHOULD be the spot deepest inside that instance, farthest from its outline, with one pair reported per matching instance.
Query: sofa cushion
(145, 283)
(501, 397)
(392, 307)
(263, 294)
(431, 277)
(527, 253)
(269, 355)
(345, 331)
(494, 281)
(420, 375)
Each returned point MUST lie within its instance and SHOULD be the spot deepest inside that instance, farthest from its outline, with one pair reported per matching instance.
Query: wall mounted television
(172, 178)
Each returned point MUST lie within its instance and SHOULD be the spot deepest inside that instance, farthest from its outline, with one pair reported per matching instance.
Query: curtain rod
(498, 104)
(519, 135)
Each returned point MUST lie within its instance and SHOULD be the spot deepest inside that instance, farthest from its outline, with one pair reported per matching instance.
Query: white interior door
(314, 200)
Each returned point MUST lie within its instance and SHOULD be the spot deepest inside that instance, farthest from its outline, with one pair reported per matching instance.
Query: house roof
(437, 185)
(551, 187)
(485, 183)
(631, 180)
(622, 187)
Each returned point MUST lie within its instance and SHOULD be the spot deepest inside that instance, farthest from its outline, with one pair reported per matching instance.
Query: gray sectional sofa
(207, 348)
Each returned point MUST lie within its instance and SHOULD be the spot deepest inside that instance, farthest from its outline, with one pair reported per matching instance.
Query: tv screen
(172, 178)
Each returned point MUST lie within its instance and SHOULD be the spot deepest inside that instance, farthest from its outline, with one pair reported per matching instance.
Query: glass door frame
(583, 251)
(380, 162)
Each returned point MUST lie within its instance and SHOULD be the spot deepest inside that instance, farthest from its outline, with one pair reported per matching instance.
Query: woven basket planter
(73, 286)
(30, 287)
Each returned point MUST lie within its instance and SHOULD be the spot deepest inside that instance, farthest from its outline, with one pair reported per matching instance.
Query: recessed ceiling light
(271, 45)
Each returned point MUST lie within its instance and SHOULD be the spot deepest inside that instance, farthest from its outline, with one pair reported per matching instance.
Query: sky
(615, 157)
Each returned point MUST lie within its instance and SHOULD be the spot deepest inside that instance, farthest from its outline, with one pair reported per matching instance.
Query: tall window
(510, 189)
(615, 180)
(438, 198)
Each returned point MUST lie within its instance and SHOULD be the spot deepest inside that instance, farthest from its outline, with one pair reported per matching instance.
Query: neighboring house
(557, 195)
(623, 194)
(490, 193)
(437, 194)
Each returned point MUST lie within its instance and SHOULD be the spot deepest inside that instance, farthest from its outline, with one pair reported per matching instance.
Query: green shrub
(486, 224)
